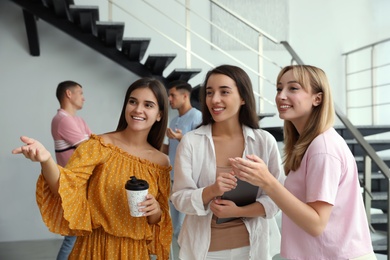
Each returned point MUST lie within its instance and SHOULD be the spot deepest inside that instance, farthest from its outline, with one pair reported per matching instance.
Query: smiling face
(295, 103)
(142, 109)
(222, 98)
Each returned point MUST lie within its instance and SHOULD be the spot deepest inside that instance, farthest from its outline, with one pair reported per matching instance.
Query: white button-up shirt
(195, 168)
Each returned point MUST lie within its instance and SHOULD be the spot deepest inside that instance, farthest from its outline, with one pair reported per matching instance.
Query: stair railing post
(373, 87)
(260, 66)
(346, 86)
(367, 185)
(188, 35)
(110, 10)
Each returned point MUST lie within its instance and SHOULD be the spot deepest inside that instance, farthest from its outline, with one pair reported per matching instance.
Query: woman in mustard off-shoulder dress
(87, 198)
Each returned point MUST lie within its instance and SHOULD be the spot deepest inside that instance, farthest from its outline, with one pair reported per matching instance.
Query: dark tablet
(244, 194)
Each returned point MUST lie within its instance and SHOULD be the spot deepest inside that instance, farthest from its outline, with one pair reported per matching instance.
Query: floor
(47, 250)
(42, 250)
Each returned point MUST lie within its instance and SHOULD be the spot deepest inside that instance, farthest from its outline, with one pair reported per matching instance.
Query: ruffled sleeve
(162, 231)
(92, 196)
(69, 213)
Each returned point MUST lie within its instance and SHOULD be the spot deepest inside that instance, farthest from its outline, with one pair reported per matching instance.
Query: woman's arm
(227, 209)
(223, 183)
(36, 152)
(311, 217)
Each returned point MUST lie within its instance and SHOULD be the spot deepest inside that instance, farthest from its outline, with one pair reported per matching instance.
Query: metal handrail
(210, 43)
(232, 36)
(158, 31)
(371, 153)
(204, 60)
(372, 68)
(366, 46)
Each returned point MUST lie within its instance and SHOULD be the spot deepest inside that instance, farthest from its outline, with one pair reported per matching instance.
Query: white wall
(320, 31)
(326, 29)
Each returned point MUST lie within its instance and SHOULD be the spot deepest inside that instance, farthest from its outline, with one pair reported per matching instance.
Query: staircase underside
(81, 22)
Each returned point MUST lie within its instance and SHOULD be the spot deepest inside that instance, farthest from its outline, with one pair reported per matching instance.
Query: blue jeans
(66, 247)
(177, 219)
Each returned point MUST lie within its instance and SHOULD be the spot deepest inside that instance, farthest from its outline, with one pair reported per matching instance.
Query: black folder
(244, 194)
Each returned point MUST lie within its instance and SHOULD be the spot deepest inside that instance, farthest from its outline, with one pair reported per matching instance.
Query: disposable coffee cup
(137, 190)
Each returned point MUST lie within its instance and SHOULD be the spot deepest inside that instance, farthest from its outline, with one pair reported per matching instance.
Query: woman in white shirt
(203, 174)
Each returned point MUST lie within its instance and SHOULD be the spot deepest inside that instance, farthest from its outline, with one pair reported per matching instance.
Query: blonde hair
(322, 117)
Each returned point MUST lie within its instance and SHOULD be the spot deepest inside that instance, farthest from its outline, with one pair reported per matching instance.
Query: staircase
(82, 23)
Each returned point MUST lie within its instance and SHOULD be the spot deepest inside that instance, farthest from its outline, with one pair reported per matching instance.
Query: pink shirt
(328, 173)
(68, 131)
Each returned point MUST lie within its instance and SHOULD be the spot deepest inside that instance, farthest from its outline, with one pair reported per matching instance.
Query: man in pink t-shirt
(68, 131)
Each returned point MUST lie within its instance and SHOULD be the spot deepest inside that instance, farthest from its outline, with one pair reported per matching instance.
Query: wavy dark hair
(157, 132)
(247, 114)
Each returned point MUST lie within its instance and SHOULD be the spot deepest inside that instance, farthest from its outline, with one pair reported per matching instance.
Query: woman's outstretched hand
(252, 170)
(32, 150)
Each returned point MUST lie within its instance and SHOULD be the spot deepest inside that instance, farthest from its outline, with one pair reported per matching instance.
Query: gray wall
(319, 31)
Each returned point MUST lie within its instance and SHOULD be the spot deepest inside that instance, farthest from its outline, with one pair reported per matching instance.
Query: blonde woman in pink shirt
(323, 211)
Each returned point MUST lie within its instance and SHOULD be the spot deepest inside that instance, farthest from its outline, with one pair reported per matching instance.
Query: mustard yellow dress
(93, 204)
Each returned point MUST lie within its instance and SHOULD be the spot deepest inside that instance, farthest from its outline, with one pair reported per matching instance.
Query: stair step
(380, 245)
(85, 17)
(378, 145)
(157, 63)
(47, 3)
(111, 33)
(135, 48)
(380, 195)
(195, 97)
(276, 131)
(374, 167)
(378, 218)
(60, 7)
(364, 130)
(264, 115)
(183, 74)
(374, 176)
(378, 182)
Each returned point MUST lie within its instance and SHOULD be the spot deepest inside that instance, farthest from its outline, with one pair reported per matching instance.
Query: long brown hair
(247, 114)
(322, 117)
(157, 132)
